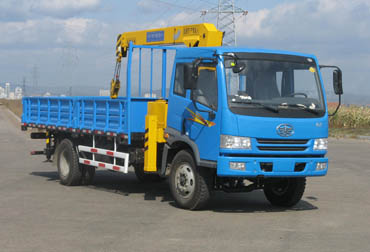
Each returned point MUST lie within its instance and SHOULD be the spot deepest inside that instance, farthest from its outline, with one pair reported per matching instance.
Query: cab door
(202, 117)
(200, 123)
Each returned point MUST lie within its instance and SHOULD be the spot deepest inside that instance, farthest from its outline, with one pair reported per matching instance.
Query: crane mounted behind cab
(230, 119)
(198, 35)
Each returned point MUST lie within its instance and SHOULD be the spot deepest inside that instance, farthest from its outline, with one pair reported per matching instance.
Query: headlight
(234, 142)
(320, 144)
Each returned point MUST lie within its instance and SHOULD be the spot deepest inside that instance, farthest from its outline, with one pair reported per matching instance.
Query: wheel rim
(185, 182)
(281, 187)
(63, 164)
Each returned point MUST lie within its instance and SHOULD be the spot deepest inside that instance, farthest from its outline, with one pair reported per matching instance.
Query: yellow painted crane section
(155, 124)
(197, 35)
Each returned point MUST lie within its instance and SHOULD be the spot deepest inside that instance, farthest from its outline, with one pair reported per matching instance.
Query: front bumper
(281, 167)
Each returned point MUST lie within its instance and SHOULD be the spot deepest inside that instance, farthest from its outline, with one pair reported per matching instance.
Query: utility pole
(226, 19)
(24, 86)
(35, 76)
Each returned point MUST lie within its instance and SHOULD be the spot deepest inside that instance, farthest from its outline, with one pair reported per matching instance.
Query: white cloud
(309, 20)
(66, 4)
(79, 31)
(13, 10)
(148, 6)
(253, 25)
(51, 32)
(62, 8)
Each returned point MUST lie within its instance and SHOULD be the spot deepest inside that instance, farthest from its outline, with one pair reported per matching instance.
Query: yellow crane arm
(198, 35)
(201, 35)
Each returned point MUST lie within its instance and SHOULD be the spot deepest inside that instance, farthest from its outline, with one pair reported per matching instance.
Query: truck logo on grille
(285, 130)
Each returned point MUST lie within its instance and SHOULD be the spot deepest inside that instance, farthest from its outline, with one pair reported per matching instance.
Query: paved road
(119, 214)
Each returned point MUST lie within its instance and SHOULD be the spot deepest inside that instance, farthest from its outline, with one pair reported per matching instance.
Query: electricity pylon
(226, 19)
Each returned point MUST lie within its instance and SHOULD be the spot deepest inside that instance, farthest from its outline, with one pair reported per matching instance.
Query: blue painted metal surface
(140, 52)
(151, 72)
(128, 91)
(92, 113)
(164, 71)
(283, 166)
(207, 139)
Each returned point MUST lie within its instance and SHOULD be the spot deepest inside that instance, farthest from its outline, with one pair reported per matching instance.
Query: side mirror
(337, 82)
(238, 67)
(189, 80)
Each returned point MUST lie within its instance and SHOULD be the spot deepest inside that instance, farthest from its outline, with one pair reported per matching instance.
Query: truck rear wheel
(285, 192)
(189, 184)
(67, 163)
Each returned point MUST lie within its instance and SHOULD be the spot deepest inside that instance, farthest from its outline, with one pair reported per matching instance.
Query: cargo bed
(103, 114)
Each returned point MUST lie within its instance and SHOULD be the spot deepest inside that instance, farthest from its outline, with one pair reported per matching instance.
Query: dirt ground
(14, 105)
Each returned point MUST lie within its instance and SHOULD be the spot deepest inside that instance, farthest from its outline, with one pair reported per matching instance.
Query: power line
(191, 11)
(24, 85)
(208, 2)
(226, 20)
(176, 5)
(35, 75)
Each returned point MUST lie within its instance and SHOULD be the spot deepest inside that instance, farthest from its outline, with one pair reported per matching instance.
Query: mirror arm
(339, 95)
(194, 73)
(339, 103)
(328, 66)
(210, 112)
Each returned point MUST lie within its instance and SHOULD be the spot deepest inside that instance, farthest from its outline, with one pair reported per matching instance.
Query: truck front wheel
(67, 163)
(190, 185)
(285, 192)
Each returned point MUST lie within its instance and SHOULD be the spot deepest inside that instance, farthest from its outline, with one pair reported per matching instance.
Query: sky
(71, 43)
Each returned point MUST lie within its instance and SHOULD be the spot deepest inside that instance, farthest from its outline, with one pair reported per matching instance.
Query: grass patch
(351, 133)
(350, 121)
(351, 117)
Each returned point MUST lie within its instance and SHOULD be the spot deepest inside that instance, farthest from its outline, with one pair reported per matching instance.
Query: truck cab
(249, 115)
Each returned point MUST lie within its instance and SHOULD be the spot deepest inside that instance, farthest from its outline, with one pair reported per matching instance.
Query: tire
(190, 185)
(145, 177)
(87, 174)
(284, 192)
(67, 163)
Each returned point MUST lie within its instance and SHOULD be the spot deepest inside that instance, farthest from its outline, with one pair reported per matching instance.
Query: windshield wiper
(301, 106)
(267, 107)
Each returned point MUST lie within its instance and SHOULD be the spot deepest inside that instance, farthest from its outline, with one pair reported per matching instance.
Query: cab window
(207, 91)
(179, 80)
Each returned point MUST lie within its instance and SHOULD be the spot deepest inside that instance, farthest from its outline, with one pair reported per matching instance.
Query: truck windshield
(274, 86)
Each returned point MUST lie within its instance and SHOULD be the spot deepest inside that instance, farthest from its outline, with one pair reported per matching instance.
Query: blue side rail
(90, 113)
(124, 115)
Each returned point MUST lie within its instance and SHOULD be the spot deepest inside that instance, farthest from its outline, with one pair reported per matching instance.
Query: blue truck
(229, 119)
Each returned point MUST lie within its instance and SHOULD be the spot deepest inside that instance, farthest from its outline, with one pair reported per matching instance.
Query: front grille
(267, 144)
(281, 141)
(281, 148)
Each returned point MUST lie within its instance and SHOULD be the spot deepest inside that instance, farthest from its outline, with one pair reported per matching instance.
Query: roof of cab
(195, 52)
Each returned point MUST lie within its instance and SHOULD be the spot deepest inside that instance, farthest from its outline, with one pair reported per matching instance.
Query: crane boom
(201, 35)
(198, 35)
